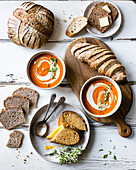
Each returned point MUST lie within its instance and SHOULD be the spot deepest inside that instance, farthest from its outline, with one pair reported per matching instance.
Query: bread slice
(17, 100)
(119, 77)
(115, 68)
(97, 63)
(78, 47)
(114, 11)
(66, 136)
(77, 41)
(15, 139)
(12, 116)
(76, 25)
(97, 56)
(106, 65)
(72, 120)
(31, 94)
(90, 47)
(95, 15)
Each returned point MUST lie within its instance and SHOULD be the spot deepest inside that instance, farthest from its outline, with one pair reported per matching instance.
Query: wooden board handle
(124, 129)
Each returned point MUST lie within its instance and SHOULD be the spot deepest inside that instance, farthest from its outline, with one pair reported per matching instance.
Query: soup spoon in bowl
(41, 127)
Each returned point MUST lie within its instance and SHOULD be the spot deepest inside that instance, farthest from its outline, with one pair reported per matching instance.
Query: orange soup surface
(46, 71)
(100, 97)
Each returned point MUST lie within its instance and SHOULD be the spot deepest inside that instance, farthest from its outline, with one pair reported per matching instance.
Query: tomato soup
(46, 71)
(100, 96)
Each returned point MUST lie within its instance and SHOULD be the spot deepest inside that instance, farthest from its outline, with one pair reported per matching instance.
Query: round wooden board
(78, 72)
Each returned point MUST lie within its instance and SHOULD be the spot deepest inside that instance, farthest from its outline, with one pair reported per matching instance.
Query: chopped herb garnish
(114, 147)
(100, 150)
(54, 64)
(110, 140)
(55, 59)
(52, 59)
(105, 164)
(53, 153)
(125, 146)
(109, 87)
(110, 152)
(53, 77)
(115, 99)
(114, 157)
(105, 156)
(100, 102)
(48, 85)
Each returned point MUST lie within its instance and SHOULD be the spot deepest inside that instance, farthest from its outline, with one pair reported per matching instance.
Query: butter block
(104, 21)
(106, 8)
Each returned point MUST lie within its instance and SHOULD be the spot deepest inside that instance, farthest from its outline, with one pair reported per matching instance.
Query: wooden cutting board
(78, 73)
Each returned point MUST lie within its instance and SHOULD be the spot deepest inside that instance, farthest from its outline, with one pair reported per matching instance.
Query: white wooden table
(13, 61)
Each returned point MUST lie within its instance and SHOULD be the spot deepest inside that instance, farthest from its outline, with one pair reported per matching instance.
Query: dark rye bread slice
(66, 136)
(106, 65)
(15, 139)
(12, 116)
(17, 100)
(97, 56)
(83, 49)
(31, 94)
(114, 11)
(115, 68)
(119, 77)
(95, 15)
(72, 120)
(97, 63)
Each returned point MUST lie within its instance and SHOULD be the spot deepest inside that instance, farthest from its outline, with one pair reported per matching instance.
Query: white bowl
(45, 52)
(119, 96)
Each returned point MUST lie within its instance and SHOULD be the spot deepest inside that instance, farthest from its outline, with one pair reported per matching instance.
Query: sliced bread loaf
(15, 139)
(17, 100)
(72, 120)
(77, 41)
(76, 25)
(12, 116)
(66, 136)
(97, 63)
(106, 65)
(31, 94)
(115, 68)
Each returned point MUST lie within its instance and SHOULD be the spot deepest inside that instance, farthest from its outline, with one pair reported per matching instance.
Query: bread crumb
(27, 156)
(25, 160)
(69, 17)
(31, 152)
(12, 165)
(64, 20)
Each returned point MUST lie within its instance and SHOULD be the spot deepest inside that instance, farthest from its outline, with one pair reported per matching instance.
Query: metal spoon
(41, 127)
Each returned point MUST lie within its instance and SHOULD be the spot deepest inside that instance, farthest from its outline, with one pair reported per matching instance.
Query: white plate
(111, 30)
(39, 143)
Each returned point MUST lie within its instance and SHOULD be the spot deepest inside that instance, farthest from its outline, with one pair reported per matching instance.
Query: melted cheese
(55, 131)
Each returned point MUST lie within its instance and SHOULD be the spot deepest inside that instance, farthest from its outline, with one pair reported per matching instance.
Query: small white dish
(111, 30)
(117, 88)
(36, 56)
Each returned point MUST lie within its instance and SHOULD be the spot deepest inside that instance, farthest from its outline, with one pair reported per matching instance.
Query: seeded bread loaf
(76, 25)
(31, 94)
(66, 136)
(15, 139)
(17, 100)
(72, 120)
(11, 117)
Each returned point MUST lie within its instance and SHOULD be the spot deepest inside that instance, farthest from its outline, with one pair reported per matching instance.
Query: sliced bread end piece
(77, 41)
(119, 77)
(76, 25)
(15, 139)
(12, 116)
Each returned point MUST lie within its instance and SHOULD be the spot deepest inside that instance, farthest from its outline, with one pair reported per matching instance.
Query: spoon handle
(53, 96)
(60, 102)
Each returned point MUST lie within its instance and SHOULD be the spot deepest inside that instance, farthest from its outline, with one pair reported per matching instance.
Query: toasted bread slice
(77, 41)
(76, 25)
(66, 136)
(15, 139)
(115, 68)
(11, 117)
(72, 120)
(97, 63)
(17, 100)
(119, 77)
(106, 65)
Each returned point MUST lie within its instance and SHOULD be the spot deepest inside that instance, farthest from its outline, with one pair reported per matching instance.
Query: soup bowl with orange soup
(46, 70)
(100, 96)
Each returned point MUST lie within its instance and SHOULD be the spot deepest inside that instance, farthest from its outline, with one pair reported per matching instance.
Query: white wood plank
(91, 158)
(14, 60)
(63, 10)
